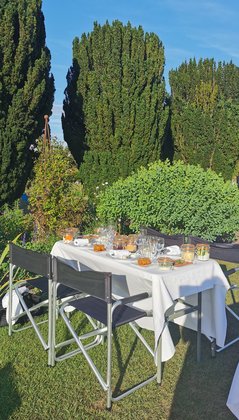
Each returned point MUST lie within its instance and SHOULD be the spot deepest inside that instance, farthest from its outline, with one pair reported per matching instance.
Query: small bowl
(144, 261)
(165, 263)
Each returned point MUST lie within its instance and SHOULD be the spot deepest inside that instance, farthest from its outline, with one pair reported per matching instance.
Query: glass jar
(68, 234)
(187, 252)
(165, 263)
(119, 242)
(131, 245)
(203, 252)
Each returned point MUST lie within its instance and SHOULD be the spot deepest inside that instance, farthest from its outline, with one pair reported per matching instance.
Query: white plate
(117, 255)
(120, 259)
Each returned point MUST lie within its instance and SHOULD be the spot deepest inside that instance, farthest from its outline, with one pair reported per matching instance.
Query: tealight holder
(203, 252)
(187, 252)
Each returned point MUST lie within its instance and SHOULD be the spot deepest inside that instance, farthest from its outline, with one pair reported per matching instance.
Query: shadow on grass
(122, 365)
(207, 383)
(9, 398)
(80, 328)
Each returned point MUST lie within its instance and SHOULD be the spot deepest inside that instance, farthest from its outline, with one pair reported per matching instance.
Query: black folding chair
(226, 252)
(40, 265)
(169, 240)
(97, 302)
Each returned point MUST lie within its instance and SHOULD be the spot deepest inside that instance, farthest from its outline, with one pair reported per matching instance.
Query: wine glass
(159, 245)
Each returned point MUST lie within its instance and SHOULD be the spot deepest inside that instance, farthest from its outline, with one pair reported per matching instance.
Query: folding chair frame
(187, 310)
(101, 331)
(26, 259)
(228, 252)
(214, 348)
(98, 331)
(20, 257)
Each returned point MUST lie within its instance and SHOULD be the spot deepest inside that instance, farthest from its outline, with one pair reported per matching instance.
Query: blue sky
(187, 28)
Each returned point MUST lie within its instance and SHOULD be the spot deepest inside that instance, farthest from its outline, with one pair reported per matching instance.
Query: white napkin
(119, 253)
(81, 241)
(173, 250)
(233, 397)
(16, 306)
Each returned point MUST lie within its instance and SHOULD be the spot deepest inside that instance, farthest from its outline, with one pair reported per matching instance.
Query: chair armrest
(133, 298)
(231, 271)
(234, 287)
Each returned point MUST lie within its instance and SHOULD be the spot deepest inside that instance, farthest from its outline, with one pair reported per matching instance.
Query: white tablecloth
(233, 397)
(166, 286)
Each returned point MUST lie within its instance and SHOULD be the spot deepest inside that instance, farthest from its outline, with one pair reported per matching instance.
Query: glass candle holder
(203, 252)
(165, 263)
(68, 234)
(131, 244)
(187, 252)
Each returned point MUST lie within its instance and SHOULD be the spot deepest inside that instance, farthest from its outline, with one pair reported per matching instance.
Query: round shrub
(174, 198)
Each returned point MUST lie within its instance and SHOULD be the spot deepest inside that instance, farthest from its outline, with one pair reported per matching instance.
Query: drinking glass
(159, 245)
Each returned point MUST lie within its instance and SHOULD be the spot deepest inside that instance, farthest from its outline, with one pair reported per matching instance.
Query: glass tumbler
(187, 252)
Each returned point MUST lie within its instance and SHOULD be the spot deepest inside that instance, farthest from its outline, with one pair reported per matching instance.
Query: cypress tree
(26, 91)
(115, 112)
(205, 114)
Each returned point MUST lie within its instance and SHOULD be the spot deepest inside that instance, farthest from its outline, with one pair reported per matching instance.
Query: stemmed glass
(150, 246)
(158, 246)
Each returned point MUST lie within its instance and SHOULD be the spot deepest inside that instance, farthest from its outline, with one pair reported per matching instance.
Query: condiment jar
(203, 252)
(119, 242)
(131, 245)
(187, 252)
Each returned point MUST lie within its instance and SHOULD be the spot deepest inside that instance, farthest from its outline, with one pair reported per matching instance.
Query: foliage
(56, 197)
(4, 267)
(45, 245)
(174, 198)
(115, 112)
(26, 91)
(12, 221)
(205, 114)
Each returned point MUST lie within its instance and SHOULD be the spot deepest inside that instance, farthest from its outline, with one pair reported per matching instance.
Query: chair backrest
(94, 283)
(29, 260)
(168, 239)
(219, 251)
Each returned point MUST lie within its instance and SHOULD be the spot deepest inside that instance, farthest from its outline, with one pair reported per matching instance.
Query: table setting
(141, 263)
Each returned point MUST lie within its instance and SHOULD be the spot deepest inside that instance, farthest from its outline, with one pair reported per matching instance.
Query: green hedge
(174, 198)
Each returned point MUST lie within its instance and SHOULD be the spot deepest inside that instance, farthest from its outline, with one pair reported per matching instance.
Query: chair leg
(52, 327)
(50, 323)
(159, 361)
(10, 300)
(109, 356)
(199, 327)
(213, 347)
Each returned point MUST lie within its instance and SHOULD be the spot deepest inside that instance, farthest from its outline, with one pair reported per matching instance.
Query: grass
(29, 389)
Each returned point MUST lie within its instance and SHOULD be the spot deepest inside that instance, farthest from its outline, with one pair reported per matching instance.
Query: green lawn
(31, 390)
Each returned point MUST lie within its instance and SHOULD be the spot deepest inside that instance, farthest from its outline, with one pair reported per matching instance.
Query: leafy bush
(44, 246)
(12, 222)
(174, 198)
(56, 197)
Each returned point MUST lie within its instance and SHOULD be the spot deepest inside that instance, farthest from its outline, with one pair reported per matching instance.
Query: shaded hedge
(174, 198)
(205, 114)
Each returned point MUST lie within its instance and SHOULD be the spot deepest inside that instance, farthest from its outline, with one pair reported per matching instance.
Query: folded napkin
(122, 254)
(81, 241)
(233, 397)
(173, 250)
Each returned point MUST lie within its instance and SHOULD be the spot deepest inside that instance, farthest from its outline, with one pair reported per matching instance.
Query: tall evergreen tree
(26, 91)
(115, 112)
(205, 114)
